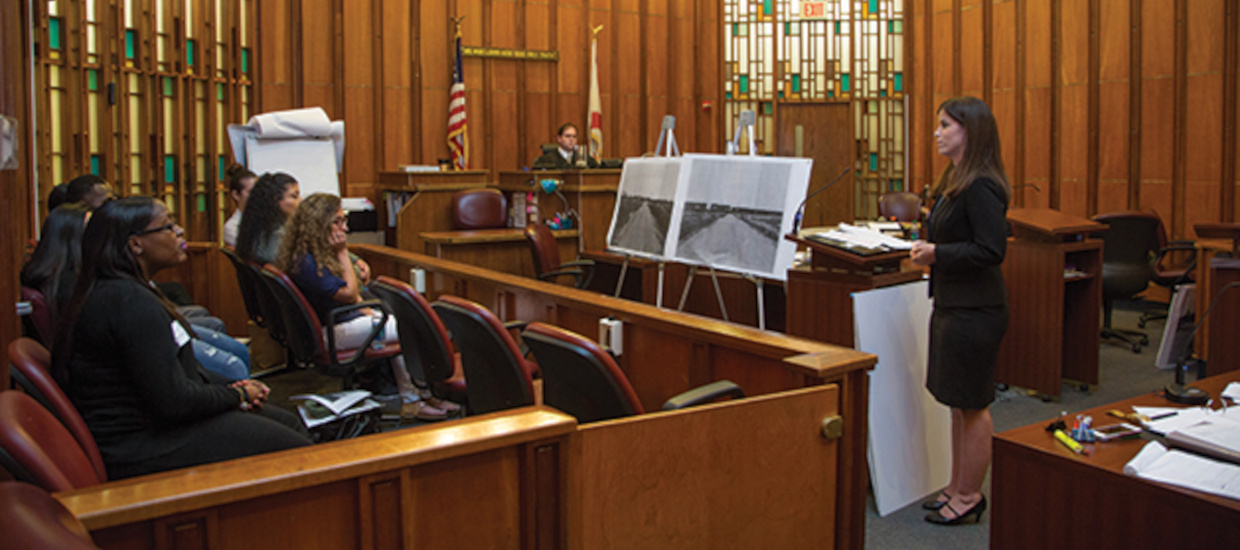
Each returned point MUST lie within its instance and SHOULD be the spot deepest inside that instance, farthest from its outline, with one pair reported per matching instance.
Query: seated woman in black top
(53, 265)
(122, 356)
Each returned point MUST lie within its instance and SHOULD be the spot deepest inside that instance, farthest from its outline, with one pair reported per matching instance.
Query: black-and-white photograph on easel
(644, 204)
(736, 210)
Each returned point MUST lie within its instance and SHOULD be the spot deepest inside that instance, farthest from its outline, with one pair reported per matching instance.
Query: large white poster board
(725, 212)
(303, 143)
(909, 447)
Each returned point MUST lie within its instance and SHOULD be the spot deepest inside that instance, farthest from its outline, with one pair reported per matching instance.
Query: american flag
(458, 138)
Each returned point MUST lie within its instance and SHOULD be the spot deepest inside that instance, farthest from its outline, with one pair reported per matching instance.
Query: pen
(1071, 444)
(1164, 415)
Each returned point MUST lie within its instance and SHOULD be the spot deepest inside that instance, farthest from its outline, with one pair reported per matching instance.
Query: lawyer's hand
(922, 253)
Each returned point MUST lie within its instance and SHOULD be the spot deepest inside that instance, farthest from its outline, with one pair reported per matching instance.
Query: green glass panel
(189, 53)
(897, 185)
(768, 7)
(873, 162)
(245, 60)
(871, 107)
(873, 6)
(96, 164)
(844, 82)
(729, 95)
(219, 91)
(744, 84)
(899, 81)
(92, 80)
(131, 43)
(53, 33)
(744, 30)
(787, 28)
(202, 202)
(796, 83)
(767, 108)
(781, 94)
(837, 27)
(223, 166)
(170, 168)
(736, 29)
(830, 93)
(168, 86)
(898, 27)
(882, 92)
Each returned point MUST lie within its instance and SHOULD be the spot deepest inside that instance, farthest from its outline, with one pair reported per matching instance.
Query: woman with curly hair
(124, 358)
(272, 200)
(315, 255)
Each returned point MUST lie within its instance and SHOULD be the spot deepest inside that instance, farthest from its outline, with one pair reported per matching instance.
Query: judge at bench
(567, 156)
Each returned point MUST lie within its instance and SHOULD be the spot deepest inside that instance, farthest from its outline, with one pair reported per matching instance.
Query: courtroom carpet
(1121, 374)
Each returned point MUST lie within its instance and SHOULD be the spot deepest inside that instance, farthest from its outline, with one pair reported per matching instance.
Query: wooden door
(752, 473)
(823, 132)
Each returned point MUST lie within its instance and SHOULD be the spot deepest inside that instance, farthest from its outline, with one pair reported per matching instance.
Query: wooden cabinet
(1053, 273)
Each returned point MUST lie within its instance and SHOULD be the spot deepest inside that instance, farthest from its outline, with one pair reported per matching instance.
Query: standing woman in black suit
(966, 237)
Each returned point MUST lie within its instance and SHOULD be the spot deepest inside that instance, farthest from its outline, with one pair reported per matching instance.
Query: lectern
(820, 305)
(1218, 264)
(1053, 272)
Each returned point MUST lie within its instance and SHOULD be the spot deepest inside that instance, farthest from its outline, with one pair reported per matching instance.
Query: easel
(714, 277)
(744, 125)
(666, 132)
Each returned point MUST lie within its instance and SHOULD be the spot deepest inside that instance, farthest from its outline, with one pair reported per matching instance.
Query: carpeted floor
(1122, 374)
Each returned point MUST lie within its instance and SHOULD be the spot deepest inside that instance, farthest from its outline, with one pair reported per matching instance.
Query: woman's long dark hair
(53, 267)
(106, 255)
(983, 157)
(262, 215)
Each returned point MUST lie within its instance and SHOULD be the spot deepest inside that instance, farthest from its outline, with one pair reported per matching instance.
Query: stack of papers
(861, 240)
(1156, 463)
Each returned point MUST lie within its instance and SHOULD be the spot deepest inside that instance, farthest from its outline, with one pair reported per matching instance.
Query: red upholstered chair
(497, 377)
(581, 378)
(479, 209)
(38, 324)
(546, 254)
(304, 333)
(249, 286)
(424, 340)
(900, 206)
(32, 365)
(39, 449)
(32, 518)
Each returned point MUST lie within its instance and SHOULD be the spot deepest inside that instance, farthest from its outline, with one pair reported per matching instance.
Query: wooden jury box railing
(532, 478)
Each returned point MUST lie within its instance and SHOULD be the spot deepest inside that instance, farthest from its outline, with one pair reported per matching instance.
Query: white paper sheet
(910, 433)
(1182, 469)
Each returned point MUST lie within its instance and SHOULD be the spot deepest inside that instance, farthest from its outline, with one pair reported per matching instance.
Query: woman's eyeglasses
(171, 226)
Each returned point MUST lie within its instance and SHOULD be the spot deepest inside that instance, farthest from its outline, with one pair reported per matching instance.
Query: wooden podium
(1218, 264)
(1053, 272)
(820, 305)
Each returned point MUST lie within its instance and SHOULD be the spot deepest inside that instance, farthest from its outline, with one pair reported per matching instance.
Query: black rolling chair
(424, 340)
(497, 377)
(546, 254)
(1170, 275)
(1130, 246)
(581, 378)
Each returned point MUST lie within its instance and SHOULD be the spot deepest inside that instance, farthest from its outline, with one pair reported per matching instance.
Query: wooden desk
(1053, 333)
(429, 208)
(503, 250)
(591, 192)
(1214, 271)
(1044, 496)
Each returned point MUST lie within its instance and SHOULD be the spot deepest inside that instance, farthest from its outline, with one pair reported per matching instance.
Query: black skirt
(964, 345)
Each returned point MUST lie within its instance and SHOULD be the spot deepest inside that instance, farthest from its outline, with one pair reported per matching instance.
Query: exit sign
(807, 9)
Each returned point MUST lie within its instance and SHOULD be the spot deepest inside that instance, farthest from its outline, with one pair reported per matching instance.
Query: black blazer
(553, 160)
(970, 236)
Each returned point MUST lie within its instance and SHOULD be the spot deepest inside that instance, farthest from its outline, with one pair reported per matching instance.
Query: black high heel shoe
(972, 515)
(935, 503)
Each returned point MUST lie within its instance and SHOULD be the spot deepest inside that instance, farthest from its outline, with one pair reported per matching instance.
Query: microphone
(796, 223)
(1177, 392)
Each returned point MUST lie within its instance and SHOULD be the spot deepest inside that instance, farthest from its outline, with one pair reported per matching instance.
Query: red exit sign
(811, 10)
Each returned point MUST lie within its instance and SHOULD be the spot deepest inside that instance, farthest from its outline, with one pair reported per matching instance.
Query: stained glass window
(787, 51)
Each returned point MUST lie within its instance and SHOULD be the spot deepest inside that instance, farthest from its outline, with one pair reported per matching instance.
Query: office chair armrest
(578, 263)
(519, 326)
(703, 395)
(375, 328)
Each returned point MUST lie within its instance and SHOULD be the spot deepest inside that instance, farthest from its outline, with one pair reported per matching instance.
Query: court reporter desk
(1044, 496)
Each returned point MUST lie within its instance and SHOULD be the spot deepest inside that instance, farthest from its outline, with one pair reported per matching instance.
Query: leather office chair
(1167, 274)
(32, 366)
(581, 378)
(497, 377)
(305, 335)
(1129, 247)
(38, 324)
(424, 340)
(479, 209)
(546, 254)
(901, 206)
(37, 447)
(32, 518)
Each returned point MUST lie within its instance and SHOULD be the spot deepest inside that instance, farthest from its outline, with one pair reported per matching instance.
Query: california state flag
(596, 106)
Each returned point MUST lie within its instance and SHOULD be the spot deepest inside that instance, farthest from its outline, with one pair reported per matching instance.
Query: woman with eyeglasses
(315, 255)
(123, 355)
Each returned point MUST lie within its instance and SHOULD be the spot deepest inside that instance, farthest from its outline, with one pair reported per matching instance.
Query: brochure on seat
(321, 409)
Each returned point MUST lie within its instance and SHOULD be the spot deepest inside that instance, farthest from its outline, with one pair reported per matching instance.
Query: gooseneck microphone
(796, 223)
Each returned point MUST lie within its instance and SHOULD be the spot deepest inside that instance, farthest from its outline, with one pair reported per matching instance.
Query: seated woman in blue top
(53, 269)
(315, 255)
(123, 357)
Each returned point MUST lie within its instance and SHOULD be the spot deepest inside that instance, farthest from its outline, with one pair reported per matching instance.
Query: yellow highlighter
(1070, 443)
